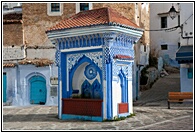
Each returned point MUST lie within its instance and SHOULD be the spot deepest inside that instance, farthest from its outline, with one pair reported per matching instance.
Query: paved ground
(151, 114)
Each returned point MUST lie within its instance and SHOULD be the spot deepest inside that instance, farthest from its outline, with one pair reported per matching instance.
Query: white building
(164, 42)
(184, 55)
(173, 38)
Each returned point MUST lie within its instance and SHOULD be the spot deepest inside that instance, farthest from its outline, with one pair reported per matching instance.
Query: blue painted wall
(186, 84)
(4, 87)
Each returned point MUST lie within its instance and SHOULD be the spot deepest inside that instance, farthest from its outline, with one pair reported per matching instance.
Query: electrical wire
(172, 28)
(167, 30)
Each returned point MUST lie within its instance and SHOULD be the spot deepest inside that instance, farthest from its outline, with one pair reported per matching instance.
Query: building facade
(172, 39)
(164, 43)
(184, 55)
(35, 54)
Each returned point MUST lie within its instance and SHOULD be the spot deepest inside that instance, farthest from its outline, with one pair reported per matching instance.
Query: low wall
(86, 107)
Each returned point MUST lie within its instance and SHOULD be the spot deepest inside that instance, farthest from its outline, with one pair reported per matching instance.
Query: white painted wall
(161, 37)
(130, 99)
(12, 53)
(186, 84)
(116, 96)
(186, 10)
(41, 53)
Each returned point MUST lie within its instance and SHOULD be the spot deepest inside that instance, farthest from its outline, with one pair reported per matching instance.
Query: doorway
(37, 90)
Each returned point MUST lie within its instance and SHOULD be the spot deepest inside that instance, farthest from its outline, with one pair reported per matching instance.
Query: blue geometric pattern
(122, 44)
(80, 41)
(97, 91)
(90, 72)
(86, 89)
(92, 91)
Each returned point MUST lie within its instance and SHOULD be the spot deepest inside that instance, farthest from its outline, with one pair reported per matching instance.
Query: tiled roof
(123, 57)
(9, 64)
(12, 18)
(37, 62)
(101, 16)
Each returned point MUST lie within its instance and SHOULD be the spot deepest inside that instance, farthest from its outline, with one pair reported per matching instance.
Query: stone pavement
(150, 110)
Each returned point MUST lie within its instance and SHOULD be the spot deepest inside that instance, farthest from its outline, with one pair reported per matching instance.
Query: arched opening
(86, 77)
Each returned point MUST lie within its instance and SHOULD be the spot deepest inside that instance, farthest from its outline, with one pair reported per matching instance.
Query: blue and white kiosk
(95, 56)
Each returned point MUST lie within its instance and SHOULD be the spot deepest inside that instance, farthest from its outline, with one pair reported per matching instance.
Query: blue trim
(126, 99)
(109, 90)
(81, 117)
(185, 54)
(123, 86)
(63, 75)
(123, 115)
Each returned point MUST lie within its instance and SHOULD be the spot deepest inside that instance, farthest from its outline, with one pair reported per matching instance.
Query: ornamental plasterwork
(96, 57)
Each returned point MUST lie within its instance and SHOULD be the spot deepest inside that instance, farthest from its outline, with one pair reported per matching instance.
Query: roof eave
(64, 33)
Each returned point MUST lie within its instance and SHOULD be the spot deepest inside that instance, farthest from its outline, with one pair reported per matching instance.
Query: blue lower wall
(81, 117)
(186, 84)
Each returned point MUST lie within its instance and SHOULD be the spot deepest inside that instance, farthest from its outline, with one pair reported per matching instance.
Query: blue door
(4, 87)
(37, 90)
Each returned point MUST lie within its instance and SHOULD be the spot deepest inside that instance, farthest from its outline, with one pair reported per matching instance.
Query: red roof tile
(9, 64)
(12, 18)
(36, 62)
(123, 57)
(99, 16)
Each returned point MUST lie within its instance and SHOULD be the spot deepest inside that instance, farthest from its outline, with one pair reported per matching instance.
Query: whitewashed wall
(161, 37)
(186, 84)
(11, 53)
(186, 10)
(116, 96)
(41, 53)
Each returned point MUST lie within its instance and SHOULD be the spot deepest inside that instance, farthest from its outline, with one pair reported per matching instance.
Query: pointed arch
(123, 86)
(82, 60)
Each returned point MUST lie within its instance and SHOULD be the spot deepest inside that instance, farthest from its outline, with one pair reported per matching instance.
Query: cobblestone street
(150, 114)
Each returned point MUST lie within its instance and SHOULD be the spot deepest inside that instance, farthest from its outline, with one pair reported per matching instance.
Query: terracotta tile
(94, 17)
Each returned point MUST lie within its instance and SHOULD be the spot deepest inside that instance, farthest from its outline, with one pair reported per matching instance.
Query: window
(163, 22)
(83, 7)
(190, 73)
(164, 47)
(178, 44)
(144, 48)
(179, 20)
(54, 9)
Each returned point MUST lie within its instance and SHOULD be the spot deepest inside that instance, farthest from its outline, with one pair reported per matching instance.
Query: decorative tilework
(94, 56)
(80, 41)
(57, 58)
(90, 71)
